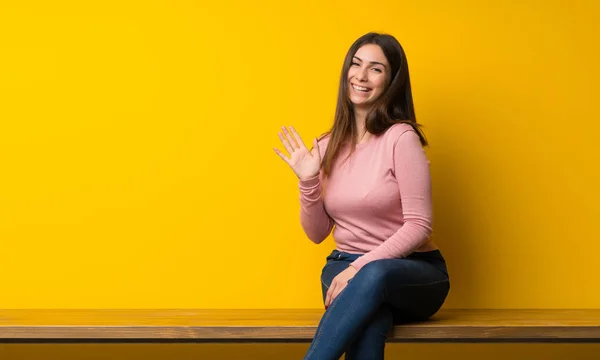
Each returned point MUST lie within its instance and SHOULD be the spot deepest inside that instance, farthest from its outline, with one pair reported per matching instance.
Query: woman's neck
(360, 117)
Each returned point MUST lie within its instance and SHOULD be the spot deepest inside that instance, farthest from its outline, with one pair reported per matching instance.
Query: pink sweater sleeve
(314, 219)
(411, 169)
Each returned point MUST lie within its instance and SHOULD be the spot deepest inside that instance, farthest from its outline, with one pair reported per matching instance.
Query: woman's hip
(419, 268)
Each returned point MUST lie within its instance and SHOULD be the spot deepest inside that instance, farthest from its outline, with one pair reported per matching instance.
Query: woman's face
(368, 75)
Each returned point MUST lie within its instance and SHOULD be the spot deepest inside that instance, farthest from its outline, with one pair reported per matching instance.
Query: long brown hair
(394, 106)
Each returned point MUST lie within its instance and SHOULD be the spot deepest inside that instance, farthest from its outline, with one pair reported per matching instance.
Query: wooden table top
(292, 325)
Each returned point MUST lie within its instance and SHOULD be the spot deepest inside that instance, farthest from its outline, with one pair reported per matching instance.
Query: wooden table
(288, 326)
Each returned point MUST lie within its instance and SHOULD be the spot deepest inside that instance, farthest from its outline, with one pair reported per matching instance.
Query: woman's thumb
(315, 150)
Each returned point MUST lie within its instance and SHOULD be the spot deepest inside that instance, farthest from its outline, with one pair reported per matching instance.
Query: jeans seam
(316, 337)
(334, 303)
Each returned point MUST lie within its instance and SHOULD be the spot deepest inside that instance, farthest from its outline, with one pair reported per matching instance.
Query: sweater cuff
(310, 182)
(360, 262)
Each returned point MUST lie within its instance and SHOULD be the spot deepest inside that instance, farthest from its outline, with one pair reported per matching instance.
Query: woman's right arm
(314, 219)
(306, 165)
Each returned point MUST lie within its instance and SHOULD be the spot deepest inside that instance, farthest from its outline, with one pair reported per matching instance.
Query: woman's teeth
(360, 88)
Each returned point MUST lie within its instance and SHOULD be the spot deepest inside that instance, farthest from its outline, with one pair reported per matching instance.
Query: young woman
(368, 180)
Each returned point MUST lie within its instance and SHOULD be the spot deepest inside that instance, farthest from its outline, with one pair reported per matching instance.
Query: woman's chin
(362, 104)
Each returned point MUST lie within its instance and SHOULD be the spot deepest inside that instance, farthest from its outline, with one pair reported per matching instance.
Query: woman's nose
(361, 75)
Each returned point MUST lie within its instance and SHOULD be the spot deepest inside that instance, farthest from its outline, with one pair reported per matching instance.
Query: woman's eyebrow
(371, 62)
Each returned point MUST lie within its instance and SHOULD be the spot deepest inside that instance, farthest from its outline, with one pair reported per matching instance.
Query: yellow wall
(136, 147)
(137, 170)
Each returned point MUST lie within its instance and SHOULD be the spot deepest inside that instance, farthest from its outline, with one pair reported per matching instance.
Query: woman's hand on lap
(338, 284)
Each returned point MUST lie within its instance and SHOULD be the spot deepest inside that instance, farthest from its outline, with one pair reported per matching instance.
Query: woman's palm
(304, 163)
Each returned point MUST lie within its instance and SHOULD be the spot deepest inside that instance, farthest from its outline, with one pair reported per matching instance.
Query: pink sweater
(379, 200)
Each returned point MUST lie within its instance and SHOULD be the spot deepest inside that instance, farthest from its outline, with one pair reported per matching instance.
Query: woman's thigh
(414, 288)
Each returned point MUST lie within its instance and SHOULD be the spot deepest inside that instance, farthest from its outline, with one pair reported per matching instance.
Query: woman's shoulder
(399, 130)
(323, 139)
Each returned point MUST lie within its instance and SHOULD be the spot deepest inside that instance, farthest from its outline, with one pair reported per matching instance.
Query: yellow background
(136, 146)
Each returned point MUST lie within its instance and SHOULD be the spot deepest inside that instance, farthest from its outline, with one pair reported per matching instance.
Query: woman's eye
(377, 70)
(355, 64)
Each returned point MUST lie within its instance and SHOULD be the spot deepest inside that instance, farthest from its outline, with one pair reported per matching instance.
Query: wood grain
(290, 325)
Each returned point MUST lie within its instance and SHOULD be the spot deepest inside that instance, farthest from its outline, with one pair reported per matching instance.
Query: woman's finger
(293, 140)
(329, 293)
(338, 290)
(285, 143)
(315, 149)
(282, 156)
(297, 137)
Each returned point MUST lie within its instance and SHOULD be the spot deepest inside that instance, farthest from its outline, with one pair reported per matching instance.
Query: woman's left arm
(411, 168)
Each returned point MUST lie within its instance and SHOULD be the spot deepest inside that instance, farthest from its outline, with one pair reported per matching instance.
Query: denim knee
(373, 276)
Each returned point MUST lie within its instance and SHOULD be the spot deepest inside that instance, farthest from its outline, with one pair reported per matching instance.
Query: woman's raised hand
(305, 163)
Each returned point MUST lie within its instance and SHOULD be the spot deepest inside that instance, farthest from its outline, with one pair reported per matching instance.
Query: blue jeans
(383, 293)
